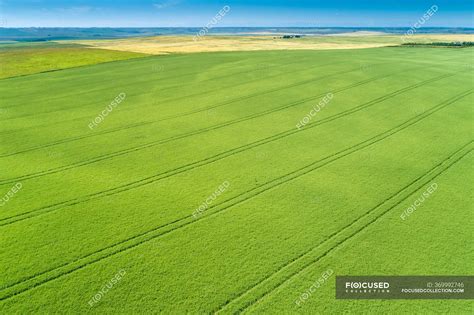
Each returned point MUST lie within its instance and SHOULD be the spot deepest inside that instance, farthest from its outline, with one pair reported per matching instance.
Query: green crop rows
(279, 205)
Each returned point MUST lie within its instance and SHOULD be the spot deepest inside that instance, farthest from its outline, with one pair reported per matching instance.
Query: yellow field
(185, 44)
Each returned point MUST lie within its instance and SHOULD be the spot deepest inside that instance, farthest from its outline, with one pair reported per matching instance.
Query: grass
(330, 195)
(28, 58)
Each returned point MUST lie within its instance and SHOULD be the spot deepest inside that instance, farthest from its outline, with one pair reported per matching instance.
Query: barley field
(228, 182)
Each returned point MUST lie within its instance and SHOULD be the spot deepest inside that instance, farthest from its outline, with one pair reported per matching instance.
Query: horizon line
(221, 27)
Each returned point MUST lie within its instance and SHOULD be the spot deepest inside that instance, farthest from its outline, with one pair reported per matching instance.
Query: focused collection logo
(404, 287)
(367, 287)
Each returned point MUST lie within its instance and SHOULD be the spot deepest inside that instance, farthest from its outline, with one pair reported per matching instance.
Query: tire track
(438, 169)
(147, 58)
(126, 71)
(160, 59)
(228, 102)
(184, 114)
(185, 135)
(75, 67)
(102, 64)
(145, 63)
(170, 100)
(41, 278)
(71, 139)
(184, 97)
(148, 78)
(191, 166)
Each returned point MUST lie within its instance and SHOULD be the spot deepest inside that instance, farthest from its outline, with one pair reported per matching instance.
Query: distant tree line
(291, 36)
(442, 44)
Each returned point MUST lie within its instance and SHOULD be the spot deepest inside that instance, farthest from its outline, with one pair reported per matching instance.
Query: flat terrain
(120, 196)
(26, 58)
(186, 44)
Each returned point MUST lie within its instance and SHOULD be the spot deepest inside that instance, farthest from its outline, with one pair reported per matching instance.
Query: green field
(117, 196)
(18, 59)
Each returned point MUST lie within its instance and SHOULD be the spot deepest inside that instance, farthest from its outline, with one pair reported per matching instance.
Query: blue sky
(167, 13)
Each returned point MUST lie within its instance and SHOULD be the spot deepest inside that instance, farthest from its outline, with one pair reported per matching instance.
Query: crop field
(28, 58)
(186, 44)
(228, 182)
